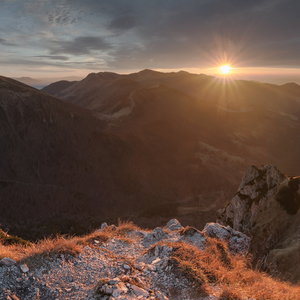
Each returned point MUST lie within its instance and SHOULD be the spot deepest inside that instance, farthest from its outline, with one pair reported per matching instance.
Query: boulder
(173, 225)
(237, 242)
(7, 261)
(193, 236)
(154, 236)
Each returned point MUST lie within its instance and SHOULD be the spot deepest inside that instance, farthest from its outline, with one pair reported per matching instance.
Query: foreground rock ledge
(134, 266)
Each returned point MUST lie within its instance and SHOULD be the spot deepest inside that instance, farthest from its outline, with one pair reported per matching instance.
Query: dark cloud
(54, 57)
(80, 45)
(156, 34)
(197, 31)
(123, 22)
(4, 42)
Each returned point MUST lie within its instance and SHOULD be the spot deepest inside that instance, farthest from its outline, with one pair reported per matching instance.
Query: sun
(225, 69)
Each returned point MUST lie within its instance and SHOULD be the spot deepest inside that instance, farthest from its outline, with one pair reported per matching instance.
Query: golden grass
(45, 247)
(124, 227)
(62, 244)
(231, 273)
(213, 265)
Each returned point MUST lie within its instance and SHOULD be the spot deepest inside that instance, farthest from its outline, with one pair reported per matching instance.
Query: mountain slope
(195, 135)
(56, 87)
(58, 169)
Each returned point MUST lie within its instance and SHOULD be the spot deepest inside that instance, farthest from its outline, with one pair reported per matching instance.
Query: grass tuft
(215, 265)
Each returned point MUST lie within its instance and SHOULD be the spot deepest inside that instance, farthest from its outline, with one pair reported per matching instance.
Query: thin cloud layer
(80, 46)
(130, 35)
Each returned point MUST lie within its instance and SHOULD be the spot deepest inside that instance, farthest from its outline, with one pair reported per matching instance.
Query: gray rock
(154, 236)
(193, 236)
(7, 261)
(114, 281)
(139, 265)
(139, 291)
(160, 296)
(237, 241)
(173, 225)
(103, 226)
(24, 268)
(126, 267)
(257, 187)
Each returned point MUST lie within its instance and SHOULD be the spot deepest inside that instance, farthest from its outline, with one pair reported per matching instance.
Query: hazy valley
(142, 146)
(147, 147)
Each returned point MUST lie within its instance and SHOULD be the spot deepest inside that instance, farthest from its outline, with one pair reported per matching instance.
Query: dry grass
(125, 227)
(46, 247)
(231, 273)
(21, 250)
(213, 265)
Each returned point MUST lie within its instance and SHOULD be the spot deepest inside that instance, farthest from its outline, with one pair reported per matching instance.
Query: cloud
(4, 42)
(122, 22)
(125, 34)
(54, 57)
(80, 45)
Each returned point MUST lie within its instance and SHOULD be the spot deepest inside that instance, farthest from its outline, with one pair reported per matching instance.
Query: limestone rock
(154, 236)
(193, 236)
(139, 291)
(160, 296)
(6, 261)
(257, 185)
(24, 268)
(266, 208)
(103, 226)
(173, 225)
(237, 241)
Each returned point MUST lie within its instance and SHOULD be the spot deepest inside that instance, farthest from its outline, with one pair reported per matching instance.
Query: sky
(259, 39)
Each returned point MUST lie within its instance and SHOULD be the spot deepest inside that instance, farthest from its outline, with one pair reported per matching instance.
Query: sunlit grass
(214, 266)
(231, 273)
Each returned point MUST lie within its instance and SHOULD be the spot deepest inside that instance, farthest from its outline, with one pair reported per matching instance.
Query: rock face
(266, 207)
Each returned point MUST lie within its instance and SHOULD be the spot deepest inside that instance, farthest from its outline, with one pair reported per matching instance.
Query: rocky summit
(266, 207)
(123, 263)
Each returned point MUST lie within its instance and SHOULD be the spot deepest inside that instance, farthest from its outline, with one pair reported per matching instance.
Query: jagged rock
(266, 208)
(154, 236)
(114, 281)
(139, 233)
(159, 251)
(193, 236)
(103, 226)
(113, 227)
(139, 265)
(119, 289)
(257, 185)
(24, 268)
(139, 291)
(7, 261)
(116, 270)
(173, 225)
(160, 296)
(126, 267)
(237, 241)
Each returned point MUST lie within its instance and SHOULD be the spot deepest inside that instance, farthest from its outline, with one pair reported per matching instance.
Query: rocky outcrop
(266, 207)
(133, 265)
